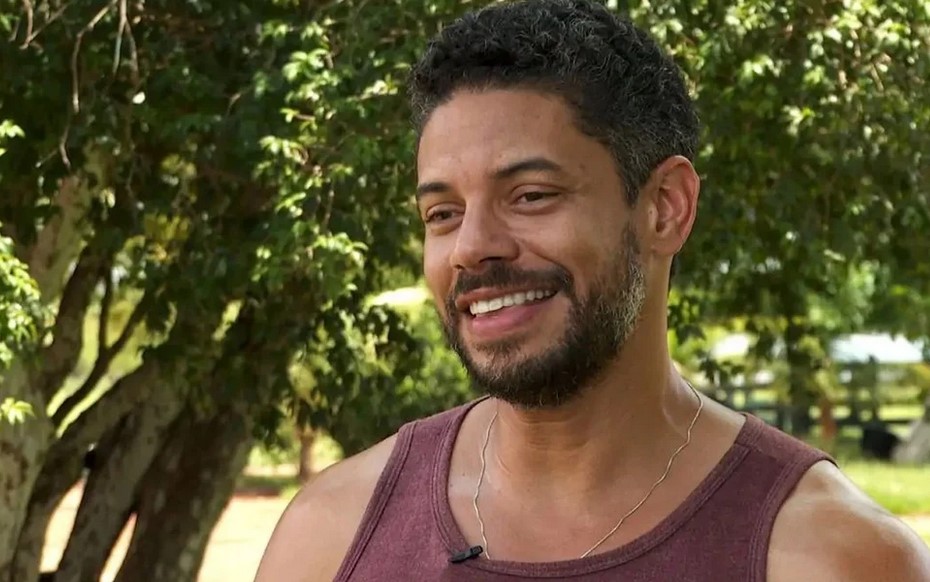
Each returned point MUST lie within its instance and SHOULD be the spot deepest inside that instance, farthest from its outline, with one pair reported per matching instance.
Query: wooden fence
(855, 406)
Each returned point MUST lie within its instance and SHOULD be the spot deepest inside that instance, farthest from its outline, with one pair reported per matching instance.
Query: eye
(438, 215)
(537, 196)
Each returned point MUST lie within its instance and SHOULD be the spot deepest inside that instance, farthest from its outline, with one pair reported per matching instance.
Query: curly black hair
(625, 90)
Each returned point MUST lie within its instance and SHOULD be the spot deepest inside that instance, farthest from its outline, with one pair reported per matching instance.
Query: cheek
(576, 245)
(586, 250)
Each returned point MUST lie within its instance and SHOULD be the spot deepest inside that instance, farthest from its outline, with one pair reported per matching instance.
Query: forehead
(480, 130)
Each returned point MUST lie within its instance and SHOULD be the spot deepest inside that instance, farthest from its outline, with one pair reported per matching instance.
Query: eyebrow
(534, 164)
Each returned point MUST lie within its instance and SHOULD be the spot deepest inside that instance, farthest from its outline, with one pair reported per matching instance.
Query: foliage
(361, 403)
(15, 411)
(21, 313)
(8, 130)
(241, 178)
(813, 151)
(814, 170)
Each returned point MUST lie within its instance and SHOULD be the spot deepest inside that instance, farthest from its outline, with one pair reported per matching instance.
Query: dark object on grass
(878, 442)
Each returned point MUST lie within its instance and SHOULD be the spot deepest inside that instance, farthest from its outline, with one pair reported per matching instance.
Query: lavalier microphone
(472, 552)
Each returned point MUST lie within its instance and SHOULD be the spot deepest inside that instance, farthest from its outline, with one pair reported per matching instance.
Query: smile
(483, 307)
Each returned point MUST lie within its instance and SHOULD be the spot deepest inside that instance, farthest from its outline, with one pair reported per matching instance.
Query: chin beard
(598, 327)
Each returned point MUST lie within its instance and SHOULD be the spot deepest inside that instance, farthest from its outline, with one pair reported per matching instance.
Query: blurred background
(209, 262)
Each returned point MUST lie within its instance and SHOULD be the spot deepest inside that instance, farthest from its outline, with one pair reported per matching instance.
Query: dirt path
(233, 553)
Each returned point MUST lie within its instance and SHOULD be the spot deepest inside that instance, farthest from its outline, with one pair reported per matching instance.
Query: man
(556, 186)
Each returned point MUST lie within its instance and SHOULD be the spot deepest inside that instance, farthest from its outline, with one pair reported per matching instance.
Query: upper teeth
(479, 307)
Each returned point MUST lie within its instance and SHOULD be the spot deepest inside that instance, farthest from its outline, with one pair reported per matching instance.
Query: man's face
(529, 249)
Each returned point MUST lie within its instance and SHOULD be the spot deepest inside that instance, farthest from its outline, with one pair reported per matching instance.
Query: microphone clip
(472, 552)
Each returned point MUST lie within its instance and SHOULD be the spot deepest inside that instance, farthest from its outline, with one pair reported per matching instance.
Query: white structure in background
(857, 348)
(886, 349)
(847, 349)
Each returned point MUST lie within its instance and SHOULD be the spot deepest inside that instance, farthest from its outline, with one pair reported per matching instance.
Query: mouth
(492, 304)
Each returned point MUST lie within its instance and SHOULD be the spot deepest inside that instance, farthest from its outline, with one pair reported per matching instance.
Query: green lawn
(921, 526)
(902, 490)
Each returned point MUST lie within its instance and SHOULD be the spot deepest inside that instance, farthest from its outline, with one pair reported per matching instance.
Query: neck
(620, 429)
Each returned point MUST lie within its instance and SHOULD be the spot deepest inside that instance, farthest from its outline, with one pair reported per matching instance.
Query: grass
(252, 483)
(274, 473)
(902, 490)
(922, 528)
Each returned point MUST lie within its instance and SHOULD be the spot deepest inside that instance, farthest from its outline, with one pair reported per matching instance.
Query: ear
(672, 194)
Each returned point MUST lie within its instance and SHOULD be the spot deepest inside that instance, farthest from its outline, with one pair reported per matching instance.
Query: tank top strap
(419, 447)
(795, 458)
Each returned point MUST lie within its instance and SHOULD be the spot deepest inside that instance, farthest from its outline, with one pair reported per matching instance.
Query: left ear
(671, 204)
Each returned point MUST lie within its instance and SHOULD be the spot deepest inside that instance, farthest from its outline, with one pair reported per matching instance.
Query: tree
(240, 177)
(813, 163)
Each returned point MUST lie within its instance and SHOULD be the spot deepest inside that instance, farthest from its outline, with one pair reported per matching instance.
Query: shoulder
(830, 530)
(318, 527)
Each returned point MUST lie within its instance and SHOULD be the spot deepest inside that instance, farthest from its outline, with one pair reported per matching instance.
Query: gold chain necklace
(668, 468)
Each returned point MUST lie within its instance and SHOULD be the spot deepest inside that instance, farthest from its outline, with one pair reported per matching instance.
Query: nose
(482, 236)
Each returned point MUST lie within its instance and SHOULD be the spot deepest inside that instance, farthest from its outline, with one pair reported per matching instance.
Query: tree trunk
(111, 490)
(22, 449)
(34, 380)
(63, 462)
(801, 402)
(800, 379)
(307, 437)
(151, 395)
(45, 498)
(59, 241)
(184, 494)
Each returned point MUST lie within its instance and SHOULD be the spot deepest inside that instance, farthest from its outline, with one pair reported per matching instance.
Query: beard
(598, 327)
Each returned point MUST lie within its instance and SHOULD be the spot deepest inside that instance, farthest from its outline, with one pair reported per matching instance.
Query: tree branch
(103, 320)
(125, 29)
(133, 53)
(121, 28)
(27, 8)
(127, 393)
(54, 16)
(76, 51)
(59, 358)
(104, 357)
(133, 388)
(59, 242)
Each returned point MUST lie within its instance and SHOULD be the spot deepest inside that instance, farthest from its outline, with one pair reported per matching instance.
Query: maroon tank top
(721, 531)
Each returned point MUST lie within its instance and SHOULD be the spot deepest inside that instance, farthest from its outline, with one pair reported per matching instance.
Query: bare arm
(318, 527)
(830, 530)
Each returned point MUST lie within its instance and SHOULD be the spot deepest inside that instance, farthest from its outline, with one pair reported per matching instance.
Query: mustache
(500, 274)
